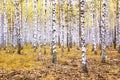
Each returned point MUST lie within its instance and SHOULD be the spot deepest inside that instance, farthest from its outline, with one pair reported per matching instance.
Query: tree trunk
(17, 25)
(45, 21)
(119, 26)
(62, 20)
(54, 31)
(84, 63)
(35, 25)
(5, 25)
(93, 27)
(103, 55)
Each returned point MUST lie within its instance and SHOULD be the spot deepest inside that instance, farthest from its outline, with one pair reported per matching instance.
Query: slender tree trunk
(116, 25)
(84, 63)
(45, 21)
(40, 37)
(35, 24)
(26, 28)
(70, 23)
(17, 25)
(62, 20)
(93, 27)
(119, 26)
(103, 55)
(21, 26)
(11, 25)
(100, 23)
(59, 23)
(5, 25)
(54, 31)
(0, 26)
(79, 24)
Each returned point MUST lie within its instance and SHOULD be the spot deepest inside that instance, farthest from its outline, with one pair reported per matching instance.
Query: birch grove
(65, 25)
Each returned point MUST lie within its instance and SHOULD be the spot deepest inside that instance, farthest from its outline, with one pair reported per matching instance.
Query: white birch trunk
(5, 25)
(119, 27)
(93, 26)
(54, 31)
(40, 36)
(35, 24)
(17, 25)
(62, 25)
(84, 63)
(103, 55)
(0, 25)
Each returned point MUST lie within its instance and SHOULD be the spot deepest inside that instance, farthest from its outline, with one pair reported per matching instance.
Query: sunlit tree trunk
(103, 45)
(84, 63)
(54, 31)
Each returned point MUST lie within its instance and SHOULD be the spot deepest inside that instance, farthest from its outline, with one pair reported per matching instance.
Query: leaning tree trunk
(84, 63)
(103, 30)
(54, 31)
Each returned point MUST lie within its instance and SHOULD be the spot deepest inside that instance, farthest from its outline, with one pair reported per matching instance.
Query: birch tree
(118, 23)
(26, 27)
(54, 31)
(45, 23)
(11, 25)
(17, 25)
(103, 24)
(5, 25)
(82, 21)
(59, 23)
(93, 26)
(0, 25)
(40, 36)
(62, 25)
(35, 24)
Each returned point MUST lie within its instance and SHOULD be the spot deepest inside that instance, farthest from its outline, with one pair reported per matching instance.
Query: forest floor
(26, 67)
